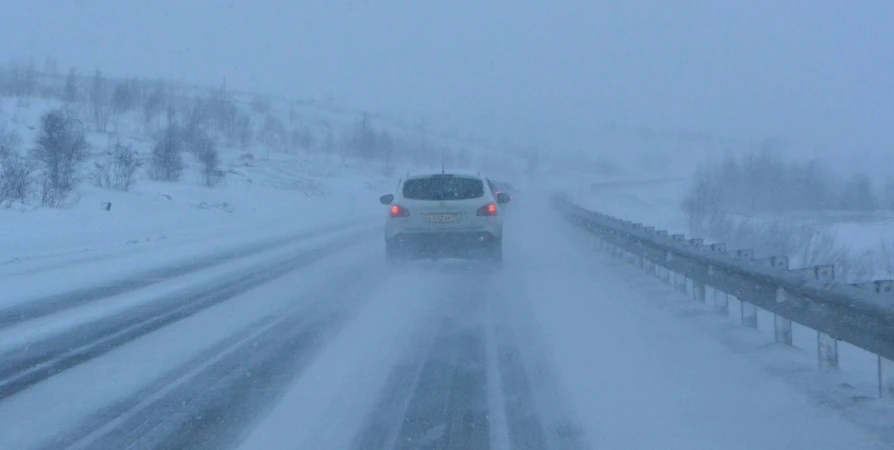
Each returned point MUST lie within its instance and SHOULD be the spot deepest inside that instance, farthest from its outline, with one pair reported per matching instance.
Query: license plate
(442, 218)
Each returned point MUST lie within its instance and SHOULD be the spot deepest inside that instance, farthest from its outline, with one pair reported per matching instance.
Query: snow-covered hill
(262, 191)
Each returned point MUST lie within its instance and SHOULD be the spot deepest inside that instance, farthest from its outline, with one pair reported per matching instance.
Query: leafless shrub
(100, 105)
(804, 244)
(117, 170)
(206, 152)
(15, 179)
(702, 202)
(101, 176)
(10, 141)
(61, 147)
(167, 161)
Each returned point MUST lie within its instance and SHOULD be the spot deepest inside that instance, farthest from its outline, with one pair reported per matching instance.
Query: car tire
(392, 253)
(495, 251)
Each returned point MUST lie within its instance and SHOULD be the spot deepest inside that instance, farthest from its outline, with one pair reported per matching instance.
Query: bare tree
(48, 87)
(71, 92)
(124, 97)
(117, 170)
(125, 162)
(10, 140)
(167, 161)
(302, 138)
(29, 80)
(363, 139)
(703, 201)
(273, 134)
(100, 110)
(245, 132)
(207, 154)
(859, 194)
(224, 114)
(261, 105)
(155, 104)
(17, 81)
(293, 115)
(15, 178)
(61, 147)
(196, 121)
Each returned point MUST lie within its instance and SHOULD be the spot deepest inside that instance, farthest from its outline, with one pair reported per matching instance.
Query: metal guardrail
(862, 315)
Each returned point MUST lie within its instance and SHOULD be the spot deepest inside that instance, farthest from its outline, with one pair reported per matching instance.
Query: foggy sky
(818, 70)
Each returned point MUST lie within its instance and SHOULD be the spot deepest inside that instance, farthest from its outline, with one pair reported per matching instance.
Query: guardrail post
(749, 311)
(881, 287)
(827, 351)
(749, 314)
(721, 298)
(665, 275)
(777, 262)
(826, 345)
(680, 282)
(782, 326)
(885, 378)
(885, 366)
(721, 302)
(698, 292)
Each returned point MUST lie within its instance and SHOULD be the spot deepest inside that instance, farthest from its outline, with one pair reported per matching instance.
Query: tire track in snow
(436, 397)
(29, 310)
(214, 399)
(23, 368)
(537, 415)
(481, 380)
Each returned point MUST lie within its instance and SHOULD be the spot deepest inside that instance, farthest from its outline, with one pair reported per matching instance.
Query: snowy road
(311, 343)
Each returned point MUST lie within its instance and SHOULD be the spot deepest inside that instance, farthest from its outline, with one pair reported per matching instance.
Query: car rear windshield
(443, 188)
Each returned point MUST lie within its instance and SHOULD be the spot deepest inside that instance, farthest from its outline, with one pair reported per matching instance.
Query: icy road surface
(312, 343)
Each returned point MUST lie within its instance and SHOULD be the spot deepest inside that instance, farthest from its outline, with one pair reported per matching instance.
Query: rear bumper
(443, 243)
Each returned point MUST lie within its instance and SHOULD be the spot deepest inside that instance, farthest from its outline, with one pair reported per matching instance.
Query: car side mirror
(503, 197)
(386, 199)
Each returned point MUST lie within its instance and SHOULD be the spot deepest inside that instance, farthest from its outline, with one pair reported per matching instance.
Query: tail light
(489, 209)
(399, 211)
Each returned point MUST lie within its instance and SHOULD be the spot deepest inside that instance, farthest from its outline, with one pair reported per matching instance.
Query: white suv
(444, 215)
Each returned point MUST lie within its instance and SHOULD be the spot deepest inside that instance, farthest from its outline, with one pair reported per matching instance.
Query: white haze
(552, 74)
(264, 306)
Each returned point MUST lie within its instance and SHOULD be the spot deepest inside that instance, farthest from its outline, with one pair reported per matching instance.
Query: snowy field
(260, 195)
(656, 202)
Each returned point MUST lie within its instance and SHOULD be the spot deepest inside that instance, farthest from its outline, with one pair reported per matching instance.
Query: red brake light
(489, 209)
(399, 211)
